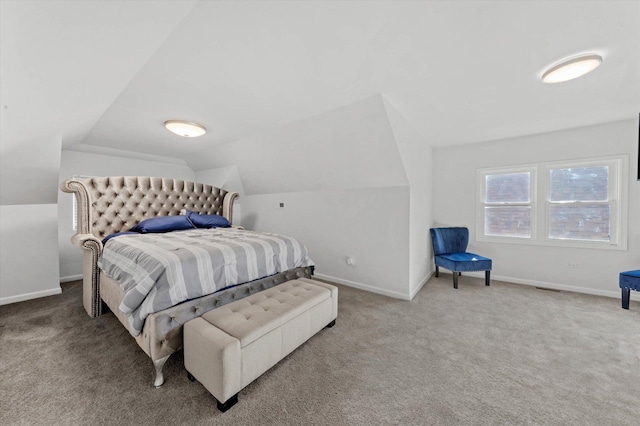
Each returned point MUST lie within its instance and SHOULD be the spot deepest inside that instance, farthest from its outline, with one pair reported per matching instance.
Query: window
(579, 205)
(507, 204)
(574, 204)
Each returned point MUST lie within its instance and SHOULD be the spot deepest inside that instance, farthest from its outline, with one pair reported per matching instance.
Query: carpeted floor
(505, 354)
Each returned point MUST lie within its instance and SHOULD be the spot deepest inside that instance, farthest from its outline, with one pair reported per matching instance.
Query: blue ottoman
(629, 280)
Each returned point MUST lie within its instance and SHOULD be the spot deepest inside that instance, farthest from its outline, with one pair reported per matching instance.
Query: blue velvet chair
(450, 252)
(629, 280)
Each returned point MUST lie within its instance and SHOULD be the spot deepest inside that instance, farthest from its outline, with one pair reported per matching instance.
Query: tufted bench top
(254, 316)
(229, 347)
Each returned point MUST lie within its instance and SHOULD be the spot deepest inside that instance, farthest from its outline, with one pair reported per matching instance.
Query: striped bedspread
(158, 271)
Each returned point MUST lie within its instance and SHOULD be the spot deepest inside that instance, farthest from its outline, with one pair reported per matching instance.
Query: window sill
(553, 243)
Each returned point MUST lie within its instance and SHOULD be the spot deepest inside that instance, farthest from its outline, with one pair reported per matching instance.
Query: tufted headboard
(113, 204)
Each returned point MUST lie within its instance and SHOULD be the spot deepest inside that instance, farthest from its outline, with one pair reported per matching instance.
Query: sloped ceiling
(351, 147)
(108, 73)
(460, 72)
(63, 63)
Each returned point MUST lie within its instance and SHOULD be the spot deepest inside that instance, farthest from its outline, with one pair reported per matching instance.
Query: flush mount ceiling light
(571, 68)
(186, 129)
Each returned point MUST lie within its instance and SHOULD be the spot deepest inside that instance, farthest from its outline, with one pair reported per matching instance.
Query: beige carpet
(505, 354)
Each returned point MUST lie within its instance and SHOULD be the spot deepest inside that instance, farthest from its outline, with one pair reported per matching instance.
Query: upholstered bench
(229, 347)
(629, 280)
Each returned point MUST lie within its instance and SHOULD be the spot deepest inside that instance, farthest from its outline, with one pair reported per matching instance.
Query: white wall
(346, 193)
(88, 164)
(28, 252)
(227, 178)
(417, 157)
(597, 270)
(369, 225)
(350, 147)
(28, 168)
(28, 175)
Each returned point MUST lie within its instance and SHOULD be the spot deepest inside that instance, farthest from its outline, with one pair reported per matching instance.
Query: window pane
(579, 222)
(511, 187)
(507, 221)
(581, 184)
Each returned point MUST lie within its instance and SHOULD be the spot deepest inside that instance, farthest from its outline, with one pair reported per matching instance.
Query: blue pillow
(163, 224)
(207, 220)
(108, 237)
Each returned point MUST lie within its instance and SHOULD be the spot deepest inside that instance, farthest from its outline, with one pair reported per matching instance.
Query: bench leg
(487, 277)
(228, 404)
(626, 293)
(455, 280)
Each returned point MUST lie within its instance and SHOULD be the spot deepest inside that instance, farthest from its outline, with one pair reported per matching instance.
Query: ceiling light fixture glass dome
(571, 68)
(185, 129)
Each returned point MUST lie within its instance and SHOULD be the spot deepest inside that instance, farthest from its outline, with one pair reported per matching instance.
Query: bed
(110, 205)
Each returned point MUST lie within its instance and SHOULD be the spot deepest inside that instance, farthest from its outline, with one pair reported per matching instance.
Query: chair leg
(459, 274)
(626, 293)
(437, 271)
(455, 280)
(487, 277)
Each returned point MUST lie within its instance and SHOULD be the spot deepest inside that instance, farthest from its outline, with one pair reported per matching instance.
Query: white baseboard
(390, 293)
(554, 286)
(29, 296)
(423, 282)
(635, 296)
(71, 278)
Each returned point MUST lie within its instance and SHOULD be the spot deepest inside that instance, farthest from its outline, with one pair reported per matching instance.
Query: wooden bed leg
(158, 364)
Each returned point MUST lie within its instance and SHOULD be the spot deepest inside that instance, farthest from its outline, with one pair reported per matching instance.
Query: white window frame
(482, 179)
(612, 201)
(540, 203)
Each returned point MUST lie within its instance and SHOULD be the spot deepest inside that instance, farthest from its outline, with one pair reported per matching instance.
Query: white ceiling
(460, 71)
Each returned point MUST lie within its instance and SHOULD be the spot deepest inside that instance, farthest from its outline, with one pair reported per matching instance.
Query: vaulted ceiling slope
(63, 63)
(351, 147)
(460, 72)
(108, 73)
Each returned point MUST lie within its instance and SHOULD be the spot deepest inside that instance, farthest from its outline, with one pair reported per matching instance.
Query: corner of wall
(417, 157)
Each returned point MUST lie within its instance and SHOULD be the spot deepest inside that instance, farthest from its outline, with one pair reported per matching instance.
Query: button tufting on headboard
(118, 203)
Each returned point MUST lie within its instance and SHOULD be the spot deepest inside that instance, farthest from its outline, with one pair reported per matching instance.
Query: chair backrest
(449, 240)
